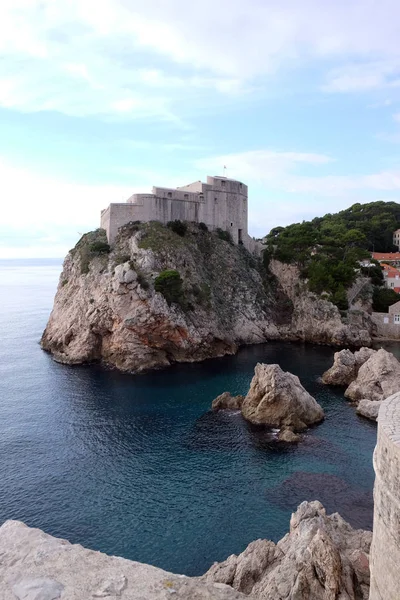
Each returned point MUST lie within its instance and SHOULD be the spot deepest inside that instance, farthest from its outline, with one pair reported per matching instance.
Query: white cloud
(361, 77)
(279, 170)
(154, 58)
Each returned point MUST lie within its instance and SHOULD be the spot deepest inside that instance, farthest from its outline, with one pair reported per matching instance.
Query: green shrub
(64, 282)
(142, 281)
(177, 227)
(203, 226)
(120, 259)
(224, 235)
(169, 284)
(383, 298)
(99, 247)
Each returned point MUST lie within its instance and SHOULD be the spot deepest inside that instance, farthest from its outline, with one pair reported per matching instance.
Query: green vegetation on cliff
(328, 249)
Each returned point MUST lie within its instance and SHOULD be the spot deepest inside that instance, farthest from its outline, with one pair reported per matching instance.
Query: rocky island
(180, 293)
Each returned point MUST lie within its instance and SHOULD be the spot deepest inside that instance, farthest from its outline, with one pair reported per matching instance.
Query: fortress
(219, 203)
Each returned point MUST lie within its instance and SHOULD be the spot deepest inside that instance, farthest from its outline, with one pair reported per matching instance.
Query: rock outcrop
(37, 566)
(346, 365)
(226, 401)
(377, 378)
(106, 307)
(317, 320)
(278, 399)
(368, 409)
(321, 558)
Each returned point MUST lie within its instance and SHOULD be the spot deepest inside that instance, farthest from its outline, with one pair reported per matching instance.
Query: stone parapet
(385, 549)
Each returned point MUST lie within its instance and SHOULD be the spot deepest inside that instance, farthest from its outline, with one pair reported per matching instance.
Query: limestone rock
(227, 401)
(346, 366)
(40, 588)
(317, 320)
(106, 308)
(378, 378)
(278, 399)
(287, 434)
(368, 409)
(37, 566)
(322, 558)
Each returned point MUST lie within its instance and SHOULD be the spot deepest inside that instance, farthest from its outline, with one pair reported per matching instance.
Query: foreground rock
(377, 378)
(37, 566)
(277, 399)
(368, 409)
(346, 365)
(322, 558)
(227, 401)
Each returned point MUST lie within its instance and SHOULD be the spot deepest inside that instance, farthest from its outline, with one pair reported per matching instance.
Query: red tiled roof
(386, 255)
(397, 290)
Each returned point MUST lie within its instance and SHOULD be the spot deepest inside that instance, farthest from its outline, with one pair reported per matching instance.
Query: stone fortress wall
(219, 203)
(385, 549)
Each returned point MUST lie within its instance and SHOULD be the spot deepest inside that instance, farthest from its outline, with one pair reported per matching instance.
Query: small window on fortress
(240, 185)
(186, 196)
(397, 318)
(169, 194)
(215, 199)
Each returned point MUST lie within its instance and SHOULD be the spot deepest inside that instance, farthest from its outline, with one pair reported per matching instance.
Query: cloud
(130, 59)
(279, 170)
(363, 77)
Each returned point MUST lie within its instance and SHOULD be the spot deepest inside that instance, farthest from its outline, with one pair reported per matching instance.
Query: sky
(299, 99)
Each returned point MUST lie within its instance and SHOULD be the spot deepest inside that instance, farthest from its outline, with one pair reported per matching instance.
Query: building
(388, 324)
(219, 203)
(396, 238)
(391, 277)
(392, 258)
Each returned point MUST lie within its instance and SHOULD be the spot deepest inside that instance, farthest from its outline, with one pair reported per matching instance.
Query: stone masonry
(385, 549)
(219, 203)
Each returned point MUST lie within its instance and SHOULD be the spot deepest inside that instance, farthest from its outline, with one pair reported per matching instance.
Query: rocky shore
(157, 297)
(370, 376)
(321, 558)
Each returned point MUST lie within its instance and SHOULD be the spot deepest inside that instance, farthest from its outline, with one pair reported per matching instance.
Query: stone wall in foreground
(385, 549)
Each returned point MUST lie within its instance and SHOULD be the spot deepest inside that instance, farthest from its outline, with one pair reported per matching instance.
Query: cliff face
(317, 320)
(219, 297)
(106, 307)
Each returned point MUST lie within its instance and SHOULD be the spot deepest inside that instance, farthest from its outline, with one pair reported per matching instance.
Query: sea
(138, 466)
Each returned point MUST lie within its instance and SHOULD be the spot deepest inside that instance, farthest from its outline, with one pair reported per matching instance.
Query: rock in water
(278, 399)
(346, 365)
(322, 558)
(37, 566)
(378, 378)
(368, 409)
(227, 401)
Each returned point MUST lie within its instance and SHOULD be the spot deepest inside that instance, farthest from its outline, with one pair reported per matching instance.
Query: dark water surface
(137, 465)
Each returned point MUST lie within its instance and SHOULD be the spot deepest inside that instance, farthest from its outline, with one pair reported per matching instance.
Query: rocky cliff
(213, 298)
(315, 319)
(159, 297)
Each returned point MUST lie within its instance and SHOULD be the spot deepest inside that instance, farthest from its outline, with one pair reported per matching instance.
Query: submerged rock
(377, 378)
(37, 566)
(227, 401)
(278, 399)
(321, 558)
(346, 365)
(287, 434)
(368, 409)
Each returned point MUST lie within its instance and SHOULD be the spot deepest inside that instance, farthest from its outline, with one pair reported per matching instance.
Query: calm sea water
(139, 467)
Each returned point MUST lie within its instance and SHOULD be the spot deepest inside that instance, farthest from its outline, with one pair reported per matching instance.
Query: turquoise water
(139, 467)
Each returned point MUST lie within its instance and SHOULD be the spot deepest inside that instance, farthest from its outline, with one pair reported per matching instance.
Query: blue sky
(300, 99)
